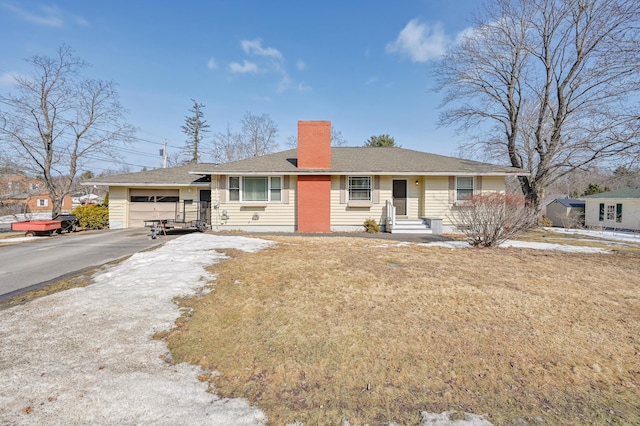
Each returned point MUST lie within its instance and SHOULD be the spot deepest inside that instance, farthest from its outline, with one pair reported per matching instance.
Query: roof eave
(145, 184)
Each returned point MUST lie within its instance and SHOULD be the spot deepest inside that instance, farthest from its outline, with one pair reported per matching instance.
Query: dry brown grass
(325, 329)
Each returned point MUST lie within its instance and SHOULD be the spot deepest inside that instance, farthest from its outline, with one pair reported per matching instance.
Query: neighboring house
(614, 209)
(566, 212)
(315, 188)
(27, 195)
(81, 199)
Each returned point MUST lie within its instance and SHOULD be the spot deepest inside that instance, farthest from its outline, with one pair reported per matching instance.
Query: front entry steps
(411, 226)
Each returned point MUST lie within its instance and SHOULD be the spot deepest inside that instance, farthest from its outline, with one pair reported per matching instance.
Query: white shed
(614, 209)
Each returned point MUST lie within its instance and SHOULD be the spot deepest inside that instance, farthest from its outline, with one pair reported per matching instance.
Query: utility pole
(164, 155)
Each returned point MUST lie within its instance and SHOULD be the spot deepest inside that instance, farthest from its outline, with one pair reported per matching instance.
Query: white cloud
(212, 64)
(244, 68)
(46, 16)
(8, 79)
(254, 48)
(419, 41)
(371, 80)
(80, 21)
(269, 61)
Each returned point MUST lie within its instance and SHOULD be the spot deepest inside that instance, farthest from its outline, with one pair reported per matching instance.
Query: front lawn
(325, 329)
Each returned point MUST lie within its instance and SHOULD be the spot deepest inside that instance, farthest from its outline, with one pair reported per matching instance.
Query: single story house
(566, 212)
(613, 209)
(314, 188)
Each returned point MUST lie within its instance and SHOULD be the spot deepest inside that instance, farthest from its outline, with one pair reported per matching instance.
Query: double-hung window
(255, 188)
(610, 212)
(464, 187)
(359, 188)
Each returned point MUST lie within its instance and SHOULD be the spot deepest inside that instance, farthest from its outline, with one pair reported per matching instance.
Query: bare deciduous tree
(227, 146)
(336, 139)
(548, 85)
(258, 134)
(257, 137)
(56, 121)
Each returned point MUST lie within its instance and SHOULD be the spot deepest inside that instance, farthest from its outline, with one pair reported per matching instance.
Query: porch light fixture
(417, 183)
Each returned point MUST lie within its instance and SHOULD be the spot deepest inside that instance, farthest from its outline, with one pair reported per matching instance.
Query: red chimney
(314, 190)
(314, 144)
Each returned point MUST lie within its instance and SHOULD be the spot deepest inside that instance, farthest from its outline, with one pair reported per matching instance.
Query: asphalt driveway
(42, 260)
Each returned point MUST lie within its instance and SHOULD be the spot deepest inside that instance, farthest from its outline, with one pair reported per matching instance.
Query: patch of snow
(18, 240)
(626, 236)
(555, 247)
(25, 216)
(400, 244)
(443, 419)
(86, 355)
(521, 244)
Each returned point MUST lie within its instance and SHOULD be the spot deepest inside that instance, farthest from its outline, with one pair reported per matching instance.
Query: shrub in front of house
(92, 216)
(371, 226)
(488, 220)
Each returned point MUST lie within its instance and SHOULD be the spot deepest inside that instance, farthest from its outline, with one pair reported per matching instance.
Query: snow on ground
(86, 355)
(607, 237)
(521, 244)
(607, 234)
(25, 216)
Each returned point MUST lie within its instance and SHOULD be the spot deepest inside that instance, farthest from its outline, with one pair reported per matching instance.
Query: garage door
(147, 204)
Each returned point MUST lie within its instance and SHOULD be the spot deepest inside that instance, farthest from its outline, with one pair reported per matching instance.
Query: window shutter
(601, 215)
(222, 191)
(343, 190)
(376, 189)
(452, 189)
(618, 212)
(478, 187)
(285, 190)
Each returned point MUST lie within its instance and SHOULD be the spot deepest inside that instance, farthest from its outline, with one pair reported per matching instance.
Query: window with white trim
(359, 188)
(42, 202)
(464, 187)
(255, 188)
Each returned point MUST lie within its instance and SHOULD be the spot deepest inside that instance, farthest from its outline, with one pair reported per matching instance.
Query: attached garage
(147, 204)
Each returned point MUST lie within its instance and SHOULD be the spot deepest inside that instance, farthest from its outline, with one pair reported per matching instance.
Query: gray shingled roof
(177, 176)
(380, 161)
(344, 160)
(620, 193)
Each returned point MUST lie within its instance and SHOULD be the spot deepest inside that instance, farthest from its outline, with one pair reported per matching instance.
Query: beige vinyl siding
(413, 196)
(344, 217)
(436, 198)
(118, 202)
(247, 215)
(493, 184)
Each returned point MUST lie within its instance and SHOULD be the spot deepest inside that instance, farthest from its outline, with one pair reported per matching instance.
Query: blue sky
(363, 65)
